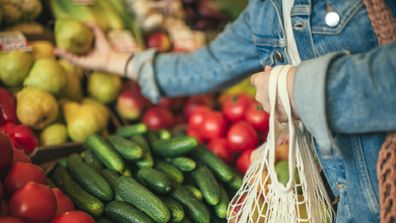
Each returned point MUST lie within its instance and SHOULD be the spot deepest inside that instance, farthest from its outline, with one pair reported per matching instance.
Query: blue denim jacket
(343, 102)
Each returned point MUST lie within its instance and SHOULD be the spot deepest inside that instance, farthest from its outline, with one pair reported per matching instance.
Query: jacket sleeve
(225, 61)
(343, 93)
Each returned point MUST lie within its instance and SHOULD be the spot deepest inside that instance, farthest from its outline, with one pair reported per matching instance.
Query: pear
(73, 89)
(102, 114)
(36, 108)
(54, 134)
(48, 75)
(73, 36)
(104, 86)
(42, 49)
(14, 67)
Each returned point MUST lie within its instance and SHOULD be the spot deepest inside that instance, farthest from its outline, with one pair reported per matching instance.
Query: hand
(102, 57)
(260, 81)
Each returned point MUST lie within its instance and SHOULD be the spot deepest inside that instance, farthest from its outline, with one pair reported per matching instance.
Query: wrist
(290, 85)
(116, 63)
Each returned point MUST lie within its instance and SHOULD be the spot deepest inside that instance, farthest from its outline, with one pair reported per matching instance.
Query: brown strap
(382, 19)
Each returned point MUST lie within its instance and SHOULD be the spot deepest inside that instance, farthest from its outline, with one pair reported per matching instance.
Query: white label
(13, 41)
(122, 41)
(84, 2)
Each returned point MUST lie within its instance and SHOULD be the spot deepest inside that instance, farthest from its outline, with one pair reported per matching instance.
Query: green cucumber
(110, 176)
(81, 199)
(221, 208)
(104, 220)
(134, 193)
(195, 208)
(219, 168)
(122, 212)
(131, 130)
(147, 160)
(184, 164)
(194, 191)
(174, 147)
(105, 153)
(175, 208)
(171, 171)
(128, 149)
(207, 184)
(186, 220)
(92, 161)
(155, 180)
(236, 182)
(89, 179)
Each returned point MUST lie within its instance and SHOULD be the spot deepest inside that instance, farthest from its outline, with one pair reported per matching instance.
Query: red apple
(159, 41)
(130, 105)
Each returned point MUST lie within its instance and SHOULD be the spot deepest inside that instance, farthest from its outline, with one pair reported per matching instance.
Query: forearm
(116, 64)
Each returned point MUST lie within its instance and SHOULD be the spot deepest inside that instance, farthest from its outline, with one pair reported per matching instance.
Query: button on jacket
(344, 104)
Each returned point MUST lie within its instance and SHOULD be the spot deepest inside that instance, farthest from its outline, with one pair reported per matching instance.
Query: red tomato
(73, 217)
(158, 117)
(172, 103)
(219, 147)
(242, 137)
(33, 203)
(5, 151)
(63, 202)
(235, 107)
(20, 156)
(20, 174)
(198, 100)
(10, 220)
(195, 133)
(197, 117)
(214, 125)
(243, 161)
(257, 117)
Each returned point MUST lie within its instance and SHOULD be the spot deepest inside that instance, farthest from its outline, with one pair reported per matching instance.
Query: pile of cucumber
(138, 176)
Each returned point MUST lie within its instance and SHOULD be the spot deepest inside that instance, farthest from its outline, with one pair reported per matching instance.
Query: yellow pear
(53, 134)
(73, 89)
(104, 86)
(101, 112)
(42, 49)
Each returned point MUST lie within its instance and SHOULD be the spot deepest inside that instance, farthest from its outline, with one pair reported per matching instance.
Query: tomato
(33, 203)
(257, 117)
(214, 125)
(195, 133)
(63, 202)
(172, 103)
(6, 153)
(197, 117)
(235, 107)
(20, 174)
(20, 156)
(243, 161)
(10, 220)
(219, 146)
(158, 117)
(198, 100)
(242, 136)
(1, 191)
(73, 217)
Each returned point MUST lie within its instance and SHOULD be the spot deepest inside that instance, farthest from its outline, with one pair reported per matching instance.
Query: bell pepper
(21, 136)
(7, 107)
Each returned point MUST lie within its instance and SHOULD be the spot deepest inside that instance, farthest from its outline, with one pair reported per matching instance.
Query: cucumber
(131, 130)
(92, 161)
(236, 181)
(174, 147)
(104, 220)
(89, 179)
(147, 160)
(128, 149)
(186, 220)
(164, 134)
(184, 164)
(137, 195)
(171, 171)
(155, 180)
(81, 199)
(221, 208)
(122, 212)
(175, 208)
(103, 151)
(219, 168)
(207, 184)
(110, 176)
(195, 208)
(195, 192)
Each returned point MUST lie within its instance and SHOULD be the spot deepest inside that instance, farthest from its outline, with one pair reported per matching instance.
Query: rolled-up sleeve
(223, 62)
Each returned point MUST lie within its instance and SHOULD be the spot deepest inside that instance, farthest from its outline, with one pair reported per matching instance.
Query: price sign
(122, 41)
(14, 41)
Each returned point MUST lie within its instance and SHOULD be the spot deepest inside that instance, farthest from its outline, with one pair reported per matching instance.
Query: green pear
(36, 108)
(54, 134)
(104, 86)
(73, 36)
(48, 75)
(14, 67)
(73, 89)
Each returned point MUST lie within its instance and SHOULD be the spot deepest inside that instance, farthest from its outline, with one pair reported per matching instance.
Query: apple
(130, 105)
(159, 41)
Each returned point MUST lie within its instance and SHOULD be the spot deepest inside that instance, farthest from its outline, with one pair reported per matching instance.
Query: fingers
(68, 56)
(100, 37)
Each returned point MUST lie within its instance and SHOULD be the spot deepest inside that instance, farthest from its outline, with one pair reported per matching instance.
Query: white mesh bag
(262, 198)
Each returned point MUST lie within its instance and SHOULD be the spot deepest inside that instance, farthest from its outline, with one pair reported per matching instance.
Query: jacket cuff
(143, 67)
(310, 97)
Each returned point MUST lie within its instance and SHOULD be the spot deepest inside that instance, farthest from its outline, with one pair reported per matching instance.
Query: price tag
(122, 41)
(84, 2)
(185, 39)
(14, 41)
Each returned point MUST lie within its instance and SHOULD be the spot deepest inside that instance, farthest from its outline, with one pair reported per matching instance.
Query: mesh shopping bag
(262, 198)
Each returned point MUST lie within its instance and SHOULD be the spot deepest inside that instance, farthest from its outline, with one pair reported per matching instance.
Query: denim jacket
(342, 100)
